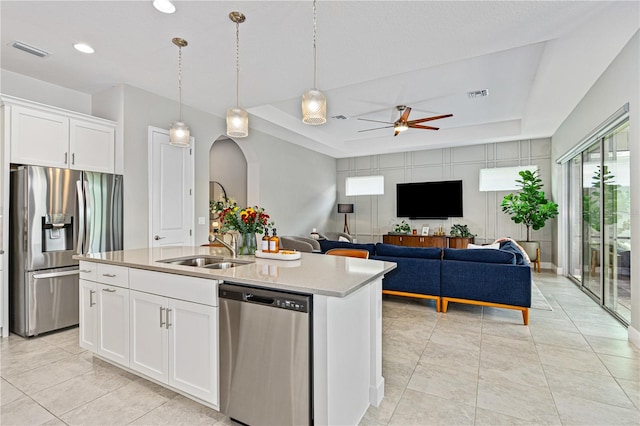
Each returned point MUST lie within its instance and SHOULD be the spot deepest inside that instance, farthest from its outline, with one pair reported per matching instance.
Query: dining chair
(363, 254)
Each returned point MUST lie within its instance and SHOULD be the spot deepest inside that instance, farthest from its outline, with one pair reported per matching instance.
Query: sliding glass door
(599, 229)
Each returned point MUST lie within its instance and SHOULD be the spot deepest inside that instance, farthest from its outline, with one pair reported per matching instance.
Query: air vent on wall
(478, 93)
(30, 49)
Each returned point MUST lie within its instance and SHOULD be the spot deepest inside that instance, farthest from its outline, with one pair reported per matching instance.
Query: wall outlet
(201, 221)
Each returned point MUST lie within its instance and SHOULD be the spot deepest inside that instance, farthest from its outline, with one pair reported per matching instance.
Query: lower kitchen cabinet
(175, 342)
(88, 315)
(113, 323)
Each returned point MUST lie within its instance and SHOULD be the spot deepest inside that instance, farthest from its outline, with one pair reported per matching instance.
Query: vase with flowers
(247, 222)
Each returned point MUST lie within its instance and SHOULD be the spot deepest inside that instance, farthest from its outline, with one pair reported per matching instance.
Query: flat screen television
(429, 200)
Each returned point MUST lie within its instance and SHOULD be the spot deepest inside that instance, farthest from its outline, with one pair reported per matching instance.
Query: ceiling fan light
(179, 134)
(314, 107)
(237, 123)
(401, 127)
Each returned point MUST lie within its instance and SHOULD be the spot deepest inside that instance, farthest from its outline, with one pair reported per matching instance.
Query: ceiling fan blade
(405, 114)
(375, 121)
(418, 126)
(422, 120)
(377, 128)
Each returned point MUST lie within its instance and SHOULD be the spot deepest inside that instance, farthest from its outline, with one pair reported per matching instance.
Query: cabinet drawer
(191, 289)
(113, 275)
(88, 271)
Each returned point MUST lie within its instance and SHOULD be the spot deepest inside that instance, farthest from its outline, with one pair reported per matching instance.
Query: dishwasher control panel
(275, 299)
(293, 305)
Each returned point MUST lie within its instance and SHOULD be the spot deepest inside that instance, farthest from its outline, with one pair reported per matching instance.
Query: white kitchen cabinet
(88, 315)
(113, 323)
(38, 137)
(175, 342)
(47, 136)
(92, 146)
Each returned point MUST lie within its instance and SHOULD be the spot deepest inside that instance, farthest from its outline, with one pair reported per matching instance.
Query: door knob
(157, 237)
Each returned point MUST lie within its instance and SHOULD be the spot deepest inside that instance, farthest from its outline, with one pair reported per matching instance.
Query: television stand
(411, 240)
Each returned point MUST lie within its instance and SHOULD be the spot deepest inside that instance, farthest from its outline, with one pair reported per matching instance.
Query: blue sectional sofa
(488, 277)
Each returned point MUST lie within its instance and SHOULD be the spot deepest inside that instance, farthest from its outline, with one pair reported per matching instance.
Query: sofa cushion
(416, 252)
(511, 247)
(483, 256)
(412, 275)
(326, 245)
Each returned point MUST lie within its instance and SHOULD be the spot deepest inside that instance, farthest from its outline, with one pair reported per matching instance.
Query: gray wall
(375, 215)
(619, 84)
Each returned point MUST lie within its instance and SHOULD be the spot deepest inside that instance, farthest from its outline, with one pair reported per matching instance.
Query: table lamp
(346, 209)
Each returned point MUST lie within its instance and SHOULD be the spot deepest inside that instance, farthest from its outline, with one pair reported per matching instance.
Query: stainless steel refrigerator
(54, 214)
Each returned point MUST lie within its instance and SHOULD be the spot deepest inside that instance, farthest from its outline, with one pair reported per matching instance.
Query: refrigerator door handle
(55, 274)
(81, 210)
(89, 207)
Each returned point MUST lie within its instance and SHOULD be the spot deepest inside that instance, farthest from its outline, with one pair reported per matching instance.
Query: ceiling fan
(402, 123)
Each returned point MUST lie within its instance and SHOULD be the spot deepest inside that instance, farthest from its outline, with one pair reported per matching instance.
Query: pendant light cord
(315, 55)
(180, 78)
(237, 64)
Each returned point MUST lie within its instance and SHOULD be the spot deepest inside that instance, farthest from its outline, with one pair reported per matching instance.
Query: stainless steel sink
(223, 265)
(203, 261)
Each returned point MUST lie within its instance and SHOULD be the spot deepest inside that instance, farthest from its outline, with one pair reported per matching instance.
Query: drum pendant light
(314, 103)
(179, 131)
(237, 118)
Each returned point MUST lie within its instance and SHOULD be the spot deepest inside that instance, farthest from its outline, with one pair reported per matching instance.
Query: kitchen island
(141, 313)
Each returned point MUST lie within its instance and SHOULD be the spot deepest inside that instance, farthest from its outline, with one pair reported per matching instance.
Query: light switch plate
(201, 221)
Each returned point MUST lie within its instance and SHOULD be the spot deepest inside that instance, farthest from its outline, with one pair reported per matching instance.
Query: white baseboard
(634, 336)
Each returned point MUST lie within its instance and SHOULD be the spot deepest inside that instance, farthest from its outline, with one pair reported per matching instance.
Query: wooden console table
(415, 240)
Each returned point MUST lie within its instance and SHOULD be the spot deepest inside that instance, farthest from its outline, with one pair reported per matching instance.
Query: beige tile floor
(472, 365)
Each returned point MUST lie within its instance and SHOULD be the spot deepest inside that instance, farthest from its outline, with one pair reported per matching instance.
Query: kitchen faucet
(233, 247)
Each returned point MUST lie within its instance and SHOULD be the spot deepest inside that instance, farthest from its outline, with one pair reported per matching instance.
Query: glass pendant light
(179, 131)
(237, 118)
(314, 103)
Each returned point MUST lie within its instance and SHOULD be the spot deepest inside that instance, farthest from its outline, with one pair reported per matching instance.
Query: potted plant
(460, 236)
(530, 208)
(402, 228)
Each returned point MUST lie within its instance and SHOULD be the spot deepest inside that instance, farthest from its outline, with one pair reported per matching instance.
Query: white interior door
(171, 179)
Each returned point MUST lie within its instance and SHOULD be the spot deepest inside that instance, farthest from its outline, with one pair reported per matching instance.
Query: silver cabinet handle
(85, 271)
(109, 290)
(157, 237)
(168, 312)
(91, 302)
(109, 275)
(162, 323)
(65, 157)
(73, 158)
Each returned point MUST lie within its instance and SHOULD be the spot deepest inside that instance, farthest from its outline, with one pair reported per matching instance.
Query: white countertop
(335, 276)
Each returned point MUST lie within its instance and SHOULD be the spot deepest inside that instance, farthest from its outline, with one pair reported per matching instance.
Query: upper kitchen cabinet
(48, 136)
(91, 145)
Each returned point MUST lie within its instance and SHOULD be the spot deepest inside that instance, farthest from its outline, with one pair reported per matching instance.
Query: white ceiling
(536, 58)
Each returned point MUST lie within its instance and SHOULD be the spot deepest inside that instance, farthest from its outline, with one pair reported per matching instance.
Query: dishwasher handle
(259, 299)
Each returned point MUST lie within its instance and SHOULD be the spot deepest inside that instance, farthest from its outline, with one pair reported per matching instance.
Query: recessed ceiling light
(164, 6)
(84, 48)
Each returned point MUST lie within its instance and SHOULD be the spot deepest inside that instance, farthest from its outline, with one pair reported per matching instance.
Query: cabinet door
(149, 344)
(113, 323)
(193, 345)
(88, 315)
(39, 138)
(92, 146)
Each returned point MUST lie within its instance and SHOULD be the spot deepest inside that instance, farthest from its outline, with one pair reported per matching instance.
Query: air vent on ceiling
(30, 49)
(339, 117)
(478, 93)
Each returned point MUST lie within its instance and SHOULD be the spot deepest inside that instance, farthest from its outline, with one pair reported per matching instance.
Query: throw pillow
(495, 246)
(343, 239)
(513, 248)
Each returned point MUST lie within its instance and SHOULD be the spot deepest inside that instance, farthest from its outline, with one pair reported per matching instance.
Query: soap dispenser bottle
(264, 244)
(274, 242)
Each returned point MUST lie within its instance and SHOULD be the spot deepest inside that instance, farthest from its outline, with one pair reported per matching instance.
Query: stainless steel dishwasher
(265, 356)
